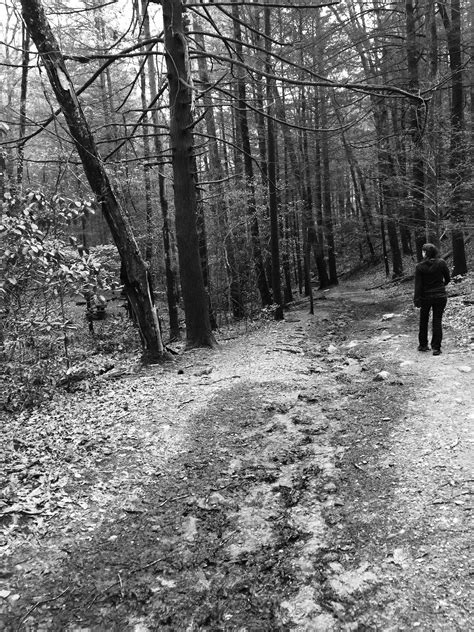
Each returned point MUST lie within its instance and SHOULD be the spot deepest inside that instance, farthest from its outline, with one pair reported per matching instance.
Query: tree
(170, 274)
(243, 126)
(457, 162)
(272, 179)
(416, 131)
(198, 327)
(137, 279)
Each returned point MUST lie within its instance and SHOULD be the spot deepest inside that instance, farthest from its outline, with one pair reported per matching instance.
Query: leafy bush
(44, 270)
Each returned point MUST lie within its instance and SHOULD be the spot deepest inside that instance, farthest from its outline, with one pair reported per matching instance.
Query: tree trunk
(386, 175)
(198, 327)
(328, 219)
(23, 93)
(318, 248)
(149, 223)
(217, 174)
(242, 124)
(416, 122)
(137, 282)
(360, 192)
(170, 268)
(457, 162)
(272, 176)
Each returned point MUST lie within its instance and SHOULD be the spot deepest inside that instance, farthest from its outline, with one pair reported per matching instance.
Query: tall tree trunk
(242, 124)
(328, 218)
(386, 176)
(457, 162)
(198, 326)
(416, 123)
(272, 176)
(137, 283)
(149, 223)
(435, 138)
(304, 189)
(25, 60)
(360, 192)
(170, 268)
(217, 174)
(318, 248)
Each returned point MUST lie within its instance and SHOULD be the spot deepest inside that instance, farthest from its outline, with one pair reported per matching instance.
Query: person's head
(429, 251)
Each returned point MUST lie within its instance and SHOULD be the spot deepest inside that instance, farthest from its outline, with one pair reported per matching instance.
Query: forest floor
(312, 474)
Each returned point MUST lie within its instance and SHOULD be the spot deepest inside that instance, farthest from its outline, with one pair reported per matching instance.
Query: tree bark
(23, 101)
(198, 326)
(170, 267)
(137, 281)
(457, 162)
(242, 124)
(272, 176)
(328, 216)
(416, 123)
(217, 174)
(149, 223)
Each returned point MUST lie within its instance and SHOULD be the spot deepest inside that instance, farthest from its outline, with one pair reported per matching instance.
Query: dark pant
(437, 305)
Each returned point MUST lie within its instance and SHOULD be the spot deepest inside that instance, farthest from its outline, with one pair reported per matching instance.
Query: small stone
(382, 376)
(465, 369)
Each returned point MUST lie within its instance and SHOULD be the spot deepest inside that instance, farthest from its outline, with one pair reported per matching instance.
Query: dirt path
(311, 475)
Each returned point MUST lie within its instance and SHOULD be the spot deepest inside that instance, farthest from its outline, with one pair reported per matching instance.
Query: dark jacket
(431, 277)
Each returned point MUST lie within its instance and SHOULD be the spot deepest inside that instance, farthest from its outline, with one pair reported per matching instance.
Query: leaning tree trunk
(137, 281)
(198, 326)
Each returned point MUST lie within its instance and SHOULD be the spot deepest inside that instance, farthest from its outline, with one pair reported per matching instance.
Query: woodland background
(194, 164)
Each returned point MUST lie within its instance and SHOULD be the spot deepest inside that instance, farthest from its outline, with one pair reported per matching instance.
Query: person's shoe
(423, 348)
(436, 351)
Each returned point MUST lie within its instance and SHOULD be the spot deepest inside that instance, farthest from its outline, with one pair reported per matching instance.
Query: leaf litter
(229, 476)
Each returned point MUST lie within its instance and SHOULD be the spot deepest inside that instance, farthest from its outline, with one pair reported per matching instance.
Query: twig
(452, 446)
(359, 468)
(41, 603)
(288, 350)
(231, 377)
(169, 500)
(218, 489)
(142, 568)
(188, 401)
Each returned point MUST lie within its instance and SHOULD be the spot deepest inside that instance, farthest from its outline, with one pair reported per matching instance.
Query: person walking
(431, 277)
